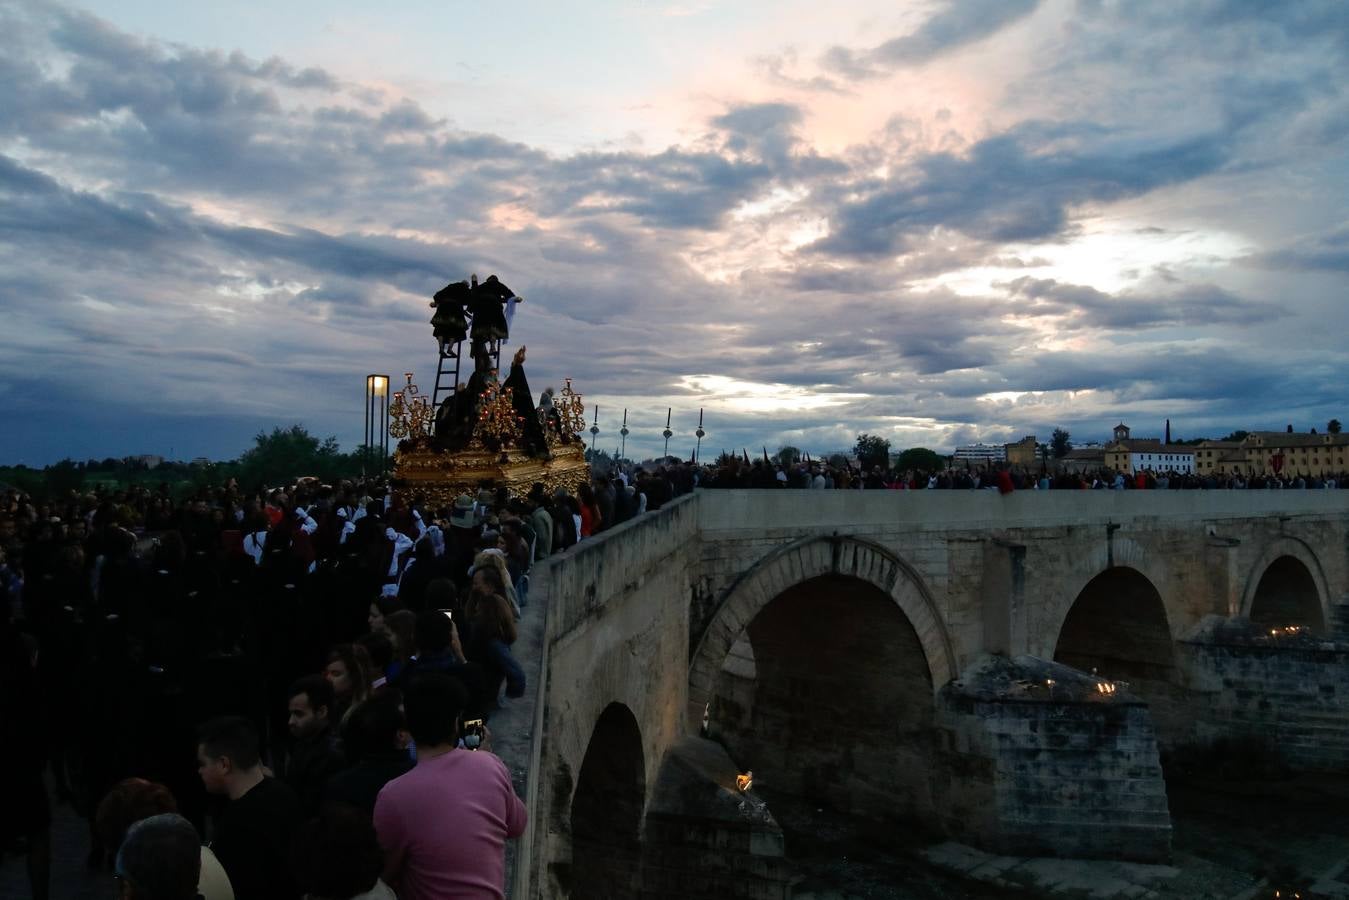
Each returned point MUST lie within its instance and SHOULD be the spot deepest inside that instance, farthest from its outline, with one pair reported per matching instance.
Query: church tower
(1121, 432)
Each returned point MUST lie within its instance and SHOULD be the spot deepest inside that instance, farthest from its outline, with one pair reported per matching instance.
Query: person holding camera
(443, 826)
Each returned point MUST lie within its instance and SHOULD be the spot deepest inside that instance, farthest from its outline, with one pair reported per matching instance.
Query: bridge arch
(802, 561)
(1119, 627)
(607, 807)
(1287, 586)
(1116, 553)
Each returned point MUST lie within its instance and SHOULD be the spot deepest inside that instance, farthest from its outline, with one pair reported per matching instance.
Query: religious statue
(488, 428)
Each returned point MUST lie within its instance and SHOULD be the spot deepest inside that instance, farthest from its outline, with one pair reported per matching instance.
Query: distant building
(148, 460)
(1081, 460)
(1022, 453)
(1220, 458)
(1275, 453)
(980, 454)
(1130, 454)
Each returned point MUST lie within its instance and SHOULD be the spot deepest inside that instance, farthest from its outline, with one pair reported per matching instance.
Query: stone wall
(706, 840)
(1287, 693)
(616, 632)
(1031, 769)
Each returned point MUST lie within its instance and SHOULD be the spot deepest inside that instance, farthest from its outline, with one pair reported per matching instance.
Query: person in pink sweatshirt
(443, 826)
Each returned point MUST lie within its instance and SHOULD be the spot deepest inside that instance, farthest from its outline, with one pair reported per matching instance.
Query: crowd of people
(768, 474)
(287, 673)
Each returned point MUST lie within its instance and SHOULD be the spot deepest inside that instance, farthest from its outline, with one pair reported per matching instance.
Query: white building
(981, 454)
(1128, 454)
(1162, 458)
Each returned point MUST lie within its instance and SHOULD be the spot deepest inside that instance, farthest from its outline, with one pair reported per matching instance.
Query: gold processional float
(485, 432)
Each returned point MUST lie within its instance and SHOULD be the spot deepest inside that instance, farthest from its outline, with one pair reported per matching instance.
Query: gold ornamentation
(410, 415)
(571, 410)
(497, 419)
(438, 478)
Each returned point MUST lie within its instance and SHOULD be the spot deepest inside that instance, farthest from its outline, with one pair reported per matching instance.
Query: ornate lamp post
(700, 433)
(595, 428)
(377, 418)
(623, 453)
(667, 432)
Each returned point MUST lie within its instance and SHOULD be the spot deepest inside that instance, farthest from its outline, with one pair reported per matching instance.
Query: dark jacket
(312, 762)
(360, 784)
(253, 838)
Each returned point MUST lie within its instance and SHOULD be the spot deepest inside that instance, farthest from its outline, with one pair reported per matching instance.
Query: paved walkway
(71, 878)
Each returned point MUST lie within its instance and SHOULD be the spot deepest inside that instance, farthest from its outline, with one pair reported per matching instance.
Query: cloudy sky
(939, 222)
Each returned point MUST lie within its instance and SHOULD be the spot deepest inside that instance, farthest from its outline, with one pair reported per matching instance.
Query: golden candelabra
(497, 419)
(571, 410)
(410, 415)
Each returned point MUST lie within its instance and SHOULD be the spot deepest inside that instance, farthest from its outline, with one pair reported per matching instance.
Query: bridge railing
(565, 590)
(790, 510)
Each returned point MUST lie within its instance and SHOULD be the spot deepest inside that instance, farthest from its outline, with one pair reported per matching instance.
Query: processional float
(483, 431)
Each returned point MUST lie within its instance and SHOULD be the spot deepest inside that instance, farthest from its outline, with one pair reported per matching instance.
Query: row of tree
(276, 458)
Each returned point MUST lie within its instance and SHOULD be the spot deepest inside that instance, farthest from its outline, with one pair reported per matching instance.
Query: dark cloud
(764, 129)
(1087, 307)
(1326, 253)
(1017, 186)
(957, 25)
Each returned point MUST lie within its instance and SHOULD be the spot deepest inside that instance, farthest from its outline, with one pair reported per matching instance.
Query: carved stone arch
(799, 562)
(1286, 545)
(607, 807)
(1119, 552)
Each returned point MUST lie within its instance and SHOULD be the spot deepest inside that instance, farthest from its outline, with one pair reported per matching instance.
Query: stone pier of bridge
(1009, 671)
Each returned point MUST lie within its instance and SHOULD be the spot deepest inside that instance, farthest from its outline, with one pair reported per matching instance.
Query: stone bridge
(1008, 671)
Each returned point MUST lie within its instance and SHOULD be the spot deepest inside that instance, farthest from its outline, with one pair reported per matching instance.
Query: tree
(1237, 436)
(872, 450)
(1060, 443)
(920, 459)
(1333, 426)
(63, 478)
(600, 461)
(289, 453)
(788, 456)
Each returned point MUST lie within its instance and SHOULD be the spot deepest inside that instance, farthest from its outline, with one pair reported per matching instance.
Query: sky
(938, 222)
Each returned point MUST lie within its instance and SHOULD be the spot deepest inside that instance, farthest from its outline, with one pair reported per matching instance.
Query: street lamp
(701, 434)
(667, 432)
(623, 453)
(377, 418)
(595, 428)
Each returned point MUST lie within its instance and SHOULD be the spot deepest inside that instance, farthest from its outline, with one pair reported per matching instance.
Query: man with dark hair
(375, 742)
(253, 834)
(159, 860)
(439, 650)
(444, 825)
(314, 753)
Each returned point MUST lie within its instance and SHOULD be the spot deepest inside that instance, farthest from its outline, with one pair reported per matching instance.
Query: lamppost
(377, 418)
(697, 451)
(667, 432)
(595, 428)
(623, 453)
